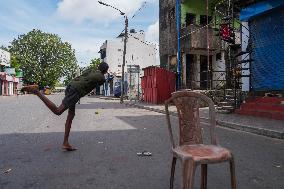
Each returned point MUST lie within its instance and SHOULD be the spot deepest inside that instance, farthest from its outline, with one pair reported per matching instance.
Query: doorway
(0, 87)
(204, 80)
(189, 70)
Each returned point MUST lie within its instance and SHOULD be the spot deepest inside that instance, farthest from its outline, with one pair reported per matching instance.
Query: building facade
(138, 54)
(263, 39)
(8, 81)
(203, 54)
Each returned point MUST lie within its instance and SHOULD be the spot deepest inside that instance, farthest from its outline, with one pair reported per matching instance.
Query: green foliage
(58, 84)
(95, 63)
(212, 5)
(4, 48)
(44, 58)
(15, 63)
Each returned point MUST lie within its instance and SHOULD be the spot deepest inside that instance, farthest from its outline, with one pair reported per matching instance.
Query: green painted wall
(198, 7)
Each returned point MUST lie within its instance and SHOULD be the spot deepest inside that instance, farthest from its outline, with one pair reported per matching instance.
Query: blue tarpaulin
(260, 8)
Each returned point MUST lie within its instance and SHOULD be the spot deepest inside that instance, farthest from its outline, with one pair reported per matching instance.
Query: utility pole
(130, 82)
(138, 83)
(124, 52)
(124, 59)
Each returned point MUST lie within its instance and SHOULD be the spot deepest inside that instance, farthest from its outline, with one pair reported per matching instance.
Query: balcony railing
(195, 37)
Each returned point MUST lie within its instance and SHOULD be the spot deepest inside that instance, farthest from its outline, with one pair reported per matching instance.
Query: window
(103, 54)
(203, 19)
(190, 19)
(119, 66)
(172, 13)
(218, 56)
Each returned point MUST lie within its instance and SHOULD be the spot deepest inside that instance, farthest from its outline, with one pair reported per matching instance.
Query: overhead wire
(129, 34)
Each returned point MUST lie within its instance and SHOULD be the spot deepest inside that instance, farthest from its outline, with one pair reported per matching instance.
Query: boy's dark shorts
(71, 97)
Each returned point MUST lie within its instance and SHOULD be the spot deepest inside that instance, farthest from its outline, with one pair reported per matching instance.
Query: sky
(85, 24)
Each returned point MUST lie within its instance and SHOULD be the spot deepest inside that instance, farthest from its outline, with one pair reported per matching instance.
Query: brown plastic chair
(191, 150)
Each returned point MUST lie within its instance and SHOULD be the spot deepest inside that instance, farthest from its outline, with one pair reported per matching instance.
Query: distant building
(138, 53)
(8, 80)
(4, 59)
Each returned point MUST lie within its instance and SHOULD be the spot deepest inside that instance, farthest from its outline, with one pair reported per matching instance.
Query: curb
(108, 98)
(254, 130)
(245, 128)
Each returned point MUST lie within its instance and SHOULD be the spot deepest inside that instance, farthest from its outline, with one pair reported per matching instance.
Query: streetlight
(124, 52)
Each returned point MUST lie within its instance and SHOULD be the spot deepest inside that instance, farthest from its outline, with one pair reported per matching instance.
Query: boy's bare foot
(30, 88)
(68, 147)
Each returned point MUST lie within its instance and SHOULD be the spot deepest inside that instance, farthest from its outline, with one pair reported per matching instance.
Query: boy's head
(103, 67)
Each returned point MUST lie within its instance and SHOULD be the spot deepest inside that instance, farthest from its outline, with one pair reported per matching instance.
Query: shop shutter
(267, 33)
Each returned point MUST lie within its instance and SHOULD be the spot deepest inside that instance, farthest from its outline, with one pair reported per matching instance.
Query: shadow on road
(102, 105)
(108, 159)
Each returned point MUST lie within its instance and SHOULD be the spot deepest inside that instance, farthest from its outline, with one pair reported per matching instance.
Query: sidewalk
(257, 125)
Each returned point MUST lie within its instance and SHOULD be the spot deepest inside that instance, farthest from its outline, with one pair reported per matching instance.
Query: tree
(44, 58)
(58, 84)
(15, 63)
(4, 48)
(95, 63)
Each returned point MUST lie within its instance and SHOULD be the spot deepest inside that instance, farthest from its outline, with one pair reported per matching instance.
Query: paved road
(30, 139)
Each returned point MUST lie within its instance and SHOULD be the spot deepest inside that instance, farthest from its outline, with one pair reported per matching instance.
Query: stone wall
(168, 33)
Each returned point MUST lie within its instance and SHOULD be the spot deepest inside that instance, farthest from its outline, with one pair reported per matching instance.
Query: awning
(2, 75)
(16, 80)
(9, 78)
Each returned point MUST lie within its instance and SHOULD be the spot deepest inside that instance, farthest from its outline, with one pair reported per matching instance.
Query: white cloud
(152, 35)
(19, 17)
(87, 49)
(80, 10)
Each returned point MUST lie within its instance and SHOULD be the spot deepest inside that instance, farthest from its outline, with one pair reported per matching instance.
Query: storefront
(16, 82)
(265, 21)
(8, 84)
(0, 86)
(2, 79)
